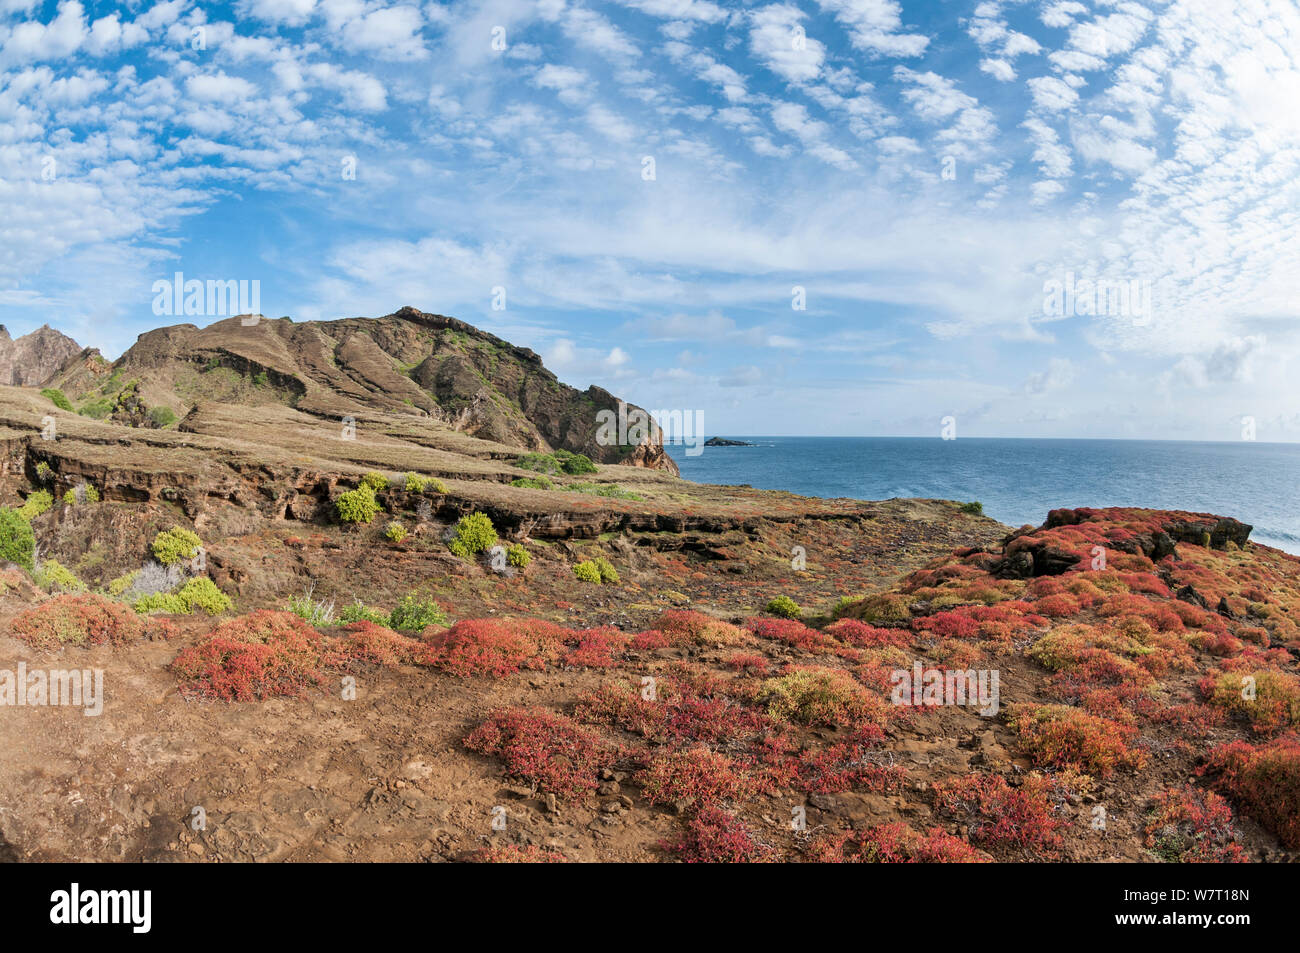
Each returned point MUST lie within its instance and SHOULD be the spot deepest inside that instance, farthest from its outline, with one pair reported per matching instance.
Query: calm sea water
(1018, 481)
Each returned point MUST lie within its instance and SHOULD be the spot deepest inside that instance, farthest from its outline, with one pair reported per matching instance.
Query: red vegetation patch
(790, 632)
(894, 843)
(999, 815)
(1268, 699)
(697, 775)
(494, 647)
(715, 837)
(863, 636)
(259, 655)
(601, 647)
(649, 640)
(949, 625)
(1190, 826)
(1060, 606)
(547, 750)
(747, 662)
(81, 620)
(378, 645)
(687, 627)
(1265, 781)
(1064, 737)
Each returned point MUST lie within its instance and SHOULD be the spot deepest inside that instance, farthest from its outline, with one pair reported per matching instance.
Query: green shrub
(434, 485)
(54, 575)
(414, 615)
(533, 483)
(97, 409)
(17, 542)
(415, 483)
(785, 607)
(606, 569)
(359, 612)
(55, 395)
(611, 490)
(175, 545)
(81, 493)
(169, 602)
(540, 462)
(36, 503)
(200, 593)
(517, 556)
(574, 463)
(43, 472)
(395, 531)
(587, 571)
(162, 417)
(375, 480)
(561, 461)
(975, 509)
(357, 506)
(122, 583)
(474, 534)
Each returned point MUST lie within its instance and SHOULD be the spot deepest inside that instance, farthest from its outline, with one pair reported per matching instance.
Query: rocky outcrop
(409, 363)
(33, 359)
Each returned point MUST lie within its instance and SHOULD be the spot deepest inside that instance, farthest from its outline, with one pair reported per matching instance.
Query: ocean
(1018, 481)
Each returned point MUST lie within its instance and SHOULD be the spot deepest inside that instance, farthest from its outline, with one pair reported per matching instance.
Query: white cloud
(777, 37)
(1052, 94)
(873, 26)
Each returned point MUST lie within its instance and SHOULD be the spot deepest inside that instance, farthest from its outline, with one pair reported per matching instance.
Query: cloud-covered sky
(812, 216)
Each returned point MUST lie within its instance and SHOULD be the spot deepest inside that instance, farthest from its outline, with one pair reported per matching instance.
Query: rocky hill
(424, 366)
(34, 358)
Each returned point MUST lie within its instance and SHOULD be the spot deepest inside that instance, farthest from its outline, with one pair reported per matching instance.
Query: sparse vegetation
(314, 611)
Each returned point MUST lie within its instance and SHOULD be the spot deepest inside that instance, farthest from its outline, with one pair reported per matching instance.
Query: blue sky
(924, 172)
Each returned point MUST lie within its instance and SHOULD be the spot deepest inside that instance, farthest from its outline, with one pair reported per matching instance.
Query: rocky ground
(666, 715)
